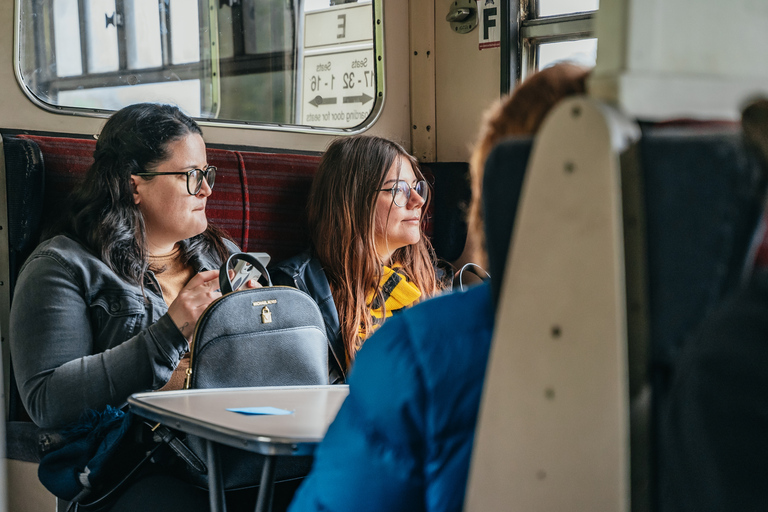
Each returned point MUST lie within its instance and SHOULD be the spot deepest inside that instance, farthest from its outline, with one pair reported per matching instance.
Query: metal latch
(462, 16)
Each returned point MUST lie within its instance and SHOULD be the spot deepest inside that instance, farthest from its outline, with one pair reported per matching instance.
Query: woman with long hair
(369, 257)
(408, 445)
(107, 307)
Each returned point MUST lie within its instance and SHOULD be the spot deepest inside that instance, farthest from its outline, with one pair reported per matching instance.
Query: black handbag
(270, 336)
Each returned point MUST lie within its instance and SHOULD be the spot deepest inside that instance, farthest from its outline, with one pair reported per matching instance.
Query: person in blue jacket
(403, 438)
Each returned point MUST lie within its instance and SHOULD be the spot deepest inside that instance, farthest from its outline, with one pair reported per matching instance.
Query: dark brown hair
(341, 211)
(104, 216)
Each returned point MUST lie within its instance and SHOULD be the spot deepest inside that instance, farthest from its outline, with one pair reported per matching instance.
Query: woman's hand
(251, 283)
(192, 300)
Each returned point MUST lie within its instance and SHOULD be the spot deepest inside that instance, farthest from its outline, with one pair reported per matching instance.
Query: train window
(556, 7)
(284, 63)
(556, 30)
(582, 51)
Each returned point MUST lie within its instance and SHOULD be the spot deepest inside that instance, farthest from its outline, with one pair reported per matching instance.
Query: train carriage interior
(612, 234)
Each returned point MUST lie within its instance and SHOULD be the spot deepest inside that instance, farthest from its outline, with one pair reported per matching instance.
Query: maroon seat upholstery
(259, 198)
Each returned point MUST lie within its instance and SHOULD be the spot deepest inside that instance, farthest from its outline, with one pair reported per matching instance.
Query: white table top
(203, 412)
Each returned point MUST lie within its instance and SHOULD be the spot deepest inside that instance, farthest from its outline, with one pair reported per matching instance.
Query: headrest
(25, 177)
(703, 200)
(502, 184)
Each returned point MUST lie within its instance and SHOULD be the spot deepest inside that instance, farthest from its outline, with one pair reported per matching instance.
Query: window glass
(101, 19)
(556, 7)
(67, 38)
(281, 62)
(185, 94)
(185, 31)
(142, 25)
(583, 51)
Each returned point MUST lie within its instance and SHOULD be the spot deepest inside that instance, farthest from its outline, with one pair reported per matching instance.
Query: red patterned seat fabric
(259, 199)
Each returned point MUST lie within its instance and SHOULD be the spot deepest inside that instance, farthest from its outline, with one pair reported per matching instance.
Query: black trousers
(157, 491)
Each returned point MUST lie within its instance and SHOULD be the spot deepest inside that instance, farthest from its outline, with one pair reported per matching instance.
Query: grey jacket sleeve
(57, 334)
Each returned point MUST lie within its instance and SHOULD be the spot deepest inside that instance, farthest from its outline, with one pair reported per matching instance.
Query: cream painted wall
(467, 84)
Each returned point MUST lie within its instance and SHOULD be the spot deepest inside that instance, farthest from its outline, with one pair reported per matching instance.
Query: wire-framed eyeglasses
(401, 191)
(194, 178)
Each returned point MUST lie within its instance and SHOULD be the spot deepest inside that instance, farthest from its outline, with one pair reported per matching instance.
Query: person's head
(520, 113)
(366, 209)
(128, 207)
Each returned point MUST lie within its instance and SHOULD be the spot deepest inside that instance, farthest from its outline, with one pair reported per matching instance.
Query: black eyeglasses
(194, 178)
(401, 191)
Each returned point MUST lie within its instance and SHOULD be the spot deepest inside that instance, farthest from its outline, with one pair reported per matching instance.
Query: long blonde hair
(341, 210)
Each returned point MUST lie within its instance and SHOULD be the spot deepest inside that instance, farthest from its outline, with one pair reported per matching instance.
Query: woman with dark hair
(368, 257)
(106, 308)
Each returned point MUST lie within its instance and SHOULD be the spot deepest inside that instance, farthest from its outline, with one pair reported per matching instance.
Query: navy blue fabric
(502, 186)
(703, 201)
(93, 443)
(451, 198)
(403, 438)
(714, 426)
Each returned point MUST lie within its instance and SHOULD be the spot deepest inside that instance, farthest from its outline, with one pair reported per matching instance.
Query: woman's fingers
(199, 292)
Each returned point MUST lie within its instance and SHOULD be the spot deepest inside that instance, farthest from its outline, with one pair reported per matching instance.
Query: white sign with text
(338, 75)
(338, 88)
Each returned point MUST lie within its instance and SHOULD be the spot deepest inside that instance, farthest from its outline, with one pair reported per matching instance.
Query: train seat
(260, 201)
(693, 199)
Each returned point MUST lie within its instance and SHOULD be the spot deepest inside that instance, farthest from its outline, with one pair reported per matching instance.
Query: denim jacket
(83, 338)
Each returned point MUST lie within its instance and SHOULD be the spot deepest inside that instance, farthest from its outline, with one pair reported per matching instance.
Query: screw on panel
(429, 127)
(415, 53)
(569, 167)
(414, 127)
(428, 52)
(549, 393)
(556, 331)
(576, 111)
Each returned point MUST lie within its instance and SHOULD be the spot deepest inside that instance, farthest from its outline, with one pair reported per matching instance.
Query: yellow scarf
(397, 293)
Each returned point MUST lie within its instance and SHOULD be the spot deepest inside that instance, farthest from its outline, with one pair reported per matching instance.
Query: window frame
(526, 31)
(240, 64)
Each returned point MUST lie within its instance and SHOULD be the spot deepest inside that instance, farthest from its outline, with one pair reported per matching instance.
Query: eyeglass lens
(195, 179)
(403, 192)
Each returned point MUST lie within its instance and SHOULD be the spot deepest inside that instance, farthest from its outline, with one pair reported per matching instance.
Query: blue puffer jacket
(403, 438)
